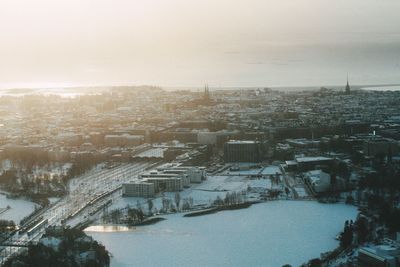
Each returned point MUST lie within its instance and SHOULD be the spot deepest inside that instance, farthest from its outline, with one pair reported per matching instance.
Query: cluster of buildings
(167, 178)
(253, 125)
(115, 121)
(307, 133)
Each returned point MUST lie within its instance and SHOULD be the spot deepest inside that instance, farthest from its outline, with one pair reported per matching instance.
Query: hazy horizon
(188, 43)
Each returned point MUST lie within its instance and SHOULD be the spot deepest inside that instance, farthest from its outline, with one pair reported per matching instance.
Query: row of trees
(230, 199)
(135, 215)
(168, 205)
(25, 179)
(26, 157)
(20, 183)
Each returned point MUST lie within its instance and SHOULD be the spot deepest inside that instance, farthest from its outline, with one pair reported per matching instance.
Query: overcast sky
(190, 42)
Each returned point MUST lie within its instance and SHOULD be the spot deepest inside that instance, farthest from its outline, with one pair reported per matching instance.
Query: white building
(318, 180)
(207, 138)
(170, 177)
(166, 184)
(382, 255)
(138, 189)
(161, 175)
(196, 174)
(193, 174)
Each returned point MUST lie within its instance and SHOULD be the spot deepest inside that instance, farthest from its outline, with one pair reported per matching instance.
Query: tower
(206, 93)
(347, 90)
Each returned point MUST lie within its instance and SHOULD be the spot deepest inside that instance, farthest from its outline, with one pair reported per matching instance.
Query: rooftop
(242, 142)
(311, 159)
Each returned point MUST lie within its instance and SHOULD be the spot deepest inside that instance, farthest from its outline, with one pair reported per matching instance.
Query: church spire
(347, 90)
(206, 92)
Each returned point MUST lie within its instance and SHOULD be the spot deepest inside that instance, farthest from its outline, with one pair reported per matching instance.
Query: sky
(191, 42)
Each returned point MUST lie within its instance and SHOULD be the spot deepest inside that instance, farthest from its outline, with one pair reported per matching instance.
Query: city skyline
(199, 133)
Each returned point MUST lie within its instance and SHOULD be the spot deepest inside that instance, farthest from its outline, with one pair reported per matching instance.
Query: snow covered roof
(271, 170)
(242, 142)
(311, 159)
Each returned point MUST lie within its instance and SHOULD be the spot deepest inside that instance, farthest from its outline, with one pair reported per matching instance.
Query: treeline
(356, 233)
(231, 199)
(81, 164)
(8, 177)
(20, 179)
(74, 249)
(18, 183)
(386, 178)
(383, 196)
(26, 157)
(136, 215)
(388, 213)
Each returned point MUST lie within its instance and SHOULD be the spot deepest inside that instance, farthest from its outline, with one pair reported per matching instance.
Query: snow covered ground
(204, 193)
(301, 191)
(19, 208)
(223, 183)
(199, 198)
(266, 234)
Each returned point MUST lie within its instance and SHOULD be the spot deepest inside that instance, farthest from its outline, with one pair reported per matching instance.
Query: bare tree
(190, 201)
(185, 205)
(138, 205)
(165, 204)
(219, 201)
(177, 200)
(150, 205)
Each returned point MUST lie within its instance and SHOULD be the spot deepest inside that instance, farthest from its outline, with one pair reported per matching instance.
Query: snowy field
(266, 234)
(204, 193)
(223, 183)
(19, 208)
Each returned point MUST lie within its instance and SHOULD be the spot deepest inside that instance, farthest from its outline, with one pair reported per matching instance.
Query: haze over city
(199, 133)
(225, 43)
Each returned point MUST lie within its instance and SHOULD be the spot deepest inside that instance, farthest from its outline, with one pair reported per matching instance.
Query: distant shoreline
(84, 90)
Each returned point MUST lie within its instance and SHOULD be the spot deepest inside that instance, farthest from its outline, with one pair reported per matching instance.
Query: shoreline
(213, 210)
(325, 256)
(325, 253)
(96, 89)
